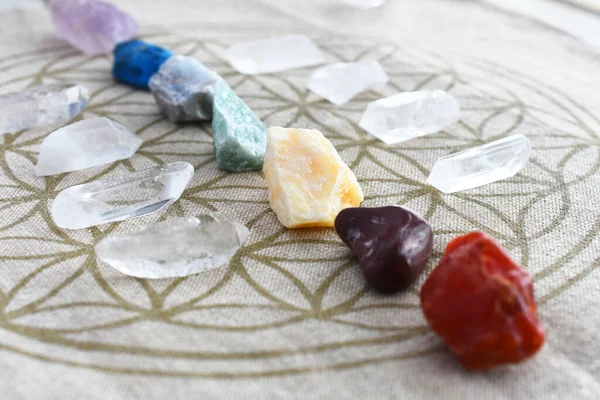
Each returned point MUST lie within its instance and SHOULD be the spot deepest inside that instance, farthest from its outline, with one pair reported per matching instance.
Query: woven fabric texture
(291, 316)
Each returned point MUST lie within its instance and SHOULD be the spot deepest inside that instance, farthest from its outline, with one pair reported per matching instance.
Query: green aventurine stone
(240, 138)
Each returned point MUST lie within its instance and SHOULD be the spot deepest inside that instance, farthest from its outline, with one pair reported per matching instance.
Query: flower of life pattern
(289, 301)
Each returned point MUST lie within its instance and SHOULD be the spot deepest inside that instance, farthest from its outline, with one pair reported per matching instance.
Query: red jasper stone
(481, 304)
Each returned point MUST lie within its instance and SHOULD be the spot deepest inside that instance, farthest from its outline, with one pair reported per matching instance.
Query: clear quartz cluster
(85, 144)
(122, 197)
(174, 248)
(410, 115)
(41, 105)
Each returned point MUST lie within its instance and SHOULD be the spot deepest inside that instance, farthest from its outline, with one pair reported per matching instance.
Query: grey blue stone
(240, 138)
(183, 89)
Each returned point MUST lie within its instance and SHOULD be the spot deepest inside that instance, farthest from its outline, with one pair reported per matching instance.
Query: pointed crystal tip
(122, 197)
(41, 105)
(481, 165)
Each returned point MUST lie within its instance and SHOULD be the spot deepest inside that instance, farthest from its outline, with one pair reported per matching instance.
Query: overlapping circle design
(290, 301)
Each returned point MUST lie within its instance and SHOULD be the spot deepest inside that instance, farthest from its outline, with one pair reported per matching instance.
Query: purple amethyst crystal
(94, 27)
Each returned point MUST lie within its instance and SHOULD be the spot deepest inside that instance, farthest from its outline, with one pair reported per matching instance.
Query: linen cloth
(290, 316)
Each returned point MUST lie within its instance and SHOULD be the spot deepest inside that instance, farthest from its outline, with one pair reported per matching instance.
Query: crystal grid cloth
(290, 317)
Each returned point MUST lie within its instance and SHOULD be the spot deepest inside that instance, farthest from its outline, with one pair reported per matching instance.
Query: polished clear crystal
(41, 105)
(409, 115)
(339, 83)
(85, 144)
(274, 55)
(481, 165)
(122, 197)
(174, 248)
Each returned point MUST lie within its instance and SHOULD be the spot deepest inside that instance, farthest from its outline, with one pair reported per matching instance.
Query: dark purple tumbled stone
(393, 244)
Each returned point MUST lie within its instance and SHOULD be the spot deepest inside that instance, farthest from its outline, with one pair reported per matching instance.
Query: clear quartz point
(122, 197)
(41, 105)
(481, 165)
(410, 115)
(85, 144)
(274, 55)
(340, 82)
(176, 247)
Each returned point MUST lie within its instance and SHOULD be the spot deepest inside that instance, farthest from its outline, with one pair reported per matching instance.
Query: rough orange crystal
(308, 182)
(481, 304)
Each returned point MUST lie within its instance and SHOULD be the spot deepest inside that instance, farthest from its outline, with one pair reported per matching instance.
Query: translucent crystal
(410, 115)
(183, 89)
(365, 4)
(176, 247)
(93, 26)
(339, 83)
(122, 197)
(41, 105)
(480, 165)
(85, 144)
(274, 55)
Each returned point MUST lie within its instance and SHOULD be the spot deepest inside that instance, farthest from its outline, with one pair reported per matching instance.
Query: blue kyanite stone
(240, 138)
(136, 61)
(184, 88)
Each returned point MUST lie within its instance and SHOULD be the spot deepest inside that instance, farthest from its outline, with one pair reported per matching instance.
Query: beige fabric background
(290, 317)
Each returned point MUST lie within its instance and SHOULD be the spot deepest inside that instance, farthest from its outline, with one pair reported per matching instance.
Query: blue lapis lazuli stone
(136, 61)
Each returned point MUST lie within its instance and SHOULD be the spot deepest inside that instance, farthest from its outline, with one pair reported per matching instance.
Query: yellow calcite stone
(308, 182)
